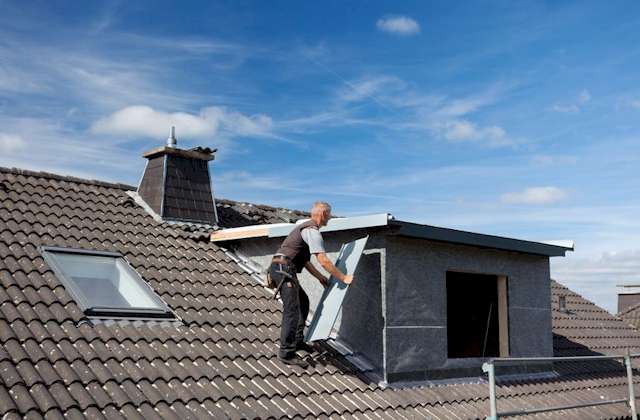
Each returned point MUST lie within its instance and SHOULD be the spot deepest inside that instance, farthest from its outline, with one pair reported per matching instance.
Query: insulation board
(330, 303)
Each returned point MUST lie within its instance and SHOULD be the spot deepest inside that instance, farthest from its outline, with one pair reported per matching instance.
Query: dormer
(427, 302)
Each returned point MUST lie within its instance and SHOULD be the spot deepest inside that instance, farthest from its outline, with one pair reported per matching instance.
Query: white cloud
(460, 130)
(463, 130)
(535, 195)
(399, 25)
(144, 121)
(596, 276)
(10, 143)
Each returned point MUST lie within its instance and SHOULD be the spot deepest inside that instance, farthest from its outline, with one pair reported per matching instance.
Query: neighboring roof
(234, 214)
(220, 362)
(402, 228)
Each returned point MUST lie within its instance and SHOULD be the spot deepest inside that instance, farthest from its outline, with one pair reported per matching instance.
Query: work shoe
(294, 360)
(302, 346)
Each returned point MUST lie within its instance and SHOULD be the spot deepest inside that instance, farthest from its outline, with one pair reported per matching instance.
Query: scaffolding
(489, 368)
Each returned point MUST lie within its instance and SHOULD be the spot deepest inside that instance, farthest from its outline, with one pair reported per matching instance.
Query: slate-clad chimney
(176, 183)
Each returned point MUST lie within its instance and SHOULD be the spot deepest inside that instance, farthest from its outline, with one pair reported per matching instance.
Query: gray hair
(320, 206)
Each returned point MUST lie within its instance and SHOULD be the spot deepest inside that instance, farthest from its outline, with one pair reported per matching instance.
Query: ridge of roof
(261, 206)
(127, 187)
(68, 178)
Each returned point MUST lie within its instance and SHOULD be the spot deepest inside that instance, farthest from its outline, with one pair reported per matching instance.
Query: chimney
(176, 183)
(628, 296)
(562, 303)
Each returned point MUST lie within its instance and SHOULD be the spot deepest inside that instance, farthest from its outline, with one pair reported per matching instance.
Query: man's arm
(315, 273)
(326, 263)
(316, 246)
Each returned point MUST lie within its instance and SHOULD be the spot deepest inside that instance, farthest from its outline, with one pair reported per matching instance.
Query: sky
(510, 118)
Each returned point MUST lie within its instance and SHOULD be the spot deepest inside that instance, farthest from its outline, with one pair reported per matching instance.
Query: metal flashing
(147, 208)
(165, 162)
(213, 198)
(338, 223)
(441, 234)
(402, 228)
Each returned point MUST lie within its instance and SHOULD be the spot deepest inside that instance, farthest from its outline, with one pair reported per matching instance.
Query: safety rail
(489, 368)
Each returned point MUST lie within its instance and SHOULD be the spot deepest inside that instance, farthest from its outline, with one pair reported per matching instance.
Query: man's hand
(326, 263)
(348, 279)
(324, 281)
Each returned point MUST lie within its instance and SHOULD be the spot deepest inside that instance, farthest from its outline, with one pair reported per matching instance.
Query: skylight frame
(162, 311)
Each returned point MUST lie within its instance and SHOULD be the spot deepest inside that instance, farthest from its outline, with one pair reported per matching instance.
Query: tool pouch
(270, 283)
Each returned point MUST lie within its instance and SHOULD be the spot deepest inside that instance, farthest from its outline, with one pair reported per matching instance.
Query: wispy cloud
(10, 143)
(369, 87)
(412, 111)
(583, 98)
(535, 195)
(46, 145)
(398, 25)
(554, 160)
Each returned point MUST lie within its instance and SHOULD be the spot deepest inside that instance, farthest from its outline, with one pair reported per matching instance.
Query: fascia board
(477, 239)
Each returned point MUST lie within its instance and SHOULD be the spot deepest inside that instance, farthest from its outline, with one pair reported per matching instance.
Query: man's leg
(290, 315)
(303, 306)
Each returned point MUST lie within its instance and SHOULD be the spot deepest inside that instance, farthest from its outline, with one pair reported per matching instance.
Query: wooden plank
(327, 311)
(230, 234)
(503, 316)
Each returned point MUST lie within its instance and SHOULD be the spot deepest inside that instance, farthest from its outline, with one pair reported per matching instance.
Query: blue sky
(509, 118)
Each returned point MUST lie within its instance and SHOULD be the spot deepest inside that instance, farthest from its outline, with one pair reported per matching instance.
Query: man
(291, 258)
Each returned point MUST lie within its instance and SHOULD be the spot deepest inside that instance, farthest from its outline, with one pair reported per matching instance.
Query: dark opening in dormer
(176, 183)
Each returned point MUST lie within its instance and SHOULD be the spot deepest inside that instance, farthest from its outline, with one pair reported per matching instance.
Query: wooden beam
(231, 234)
(503, 315)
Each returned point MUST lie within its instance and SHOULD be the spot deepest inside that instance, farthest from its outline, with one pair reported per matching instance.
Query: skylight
(104, 284)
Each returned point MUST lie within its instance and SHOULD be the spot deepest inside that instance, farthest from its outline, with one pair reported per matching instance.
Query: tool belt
(282, 259)
(285, 265)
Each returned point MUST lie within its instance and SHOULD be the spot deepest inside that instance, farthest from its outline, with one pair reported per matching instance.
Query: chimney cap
(172, 141)
(202, 154)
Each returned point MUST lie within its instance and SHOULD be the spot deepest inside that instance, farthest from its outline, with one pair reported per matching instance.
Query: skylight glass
(103, 283)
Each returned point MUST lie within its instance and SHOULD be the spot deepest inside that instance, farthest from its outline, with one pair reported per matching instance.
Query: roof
(233, 214)
(402, 228)
(220, 361)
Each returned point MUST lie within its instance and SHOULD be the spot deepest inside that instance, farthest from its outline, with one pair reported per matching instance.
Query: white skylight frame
(158, 308)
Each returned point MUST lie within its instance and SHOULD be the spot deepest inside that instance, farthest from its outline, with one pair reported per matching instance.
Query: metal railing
(489, 368)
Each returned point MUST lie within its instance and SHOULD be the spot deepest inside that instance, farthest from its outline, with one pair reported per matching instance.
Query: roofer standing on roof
(294, 255)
